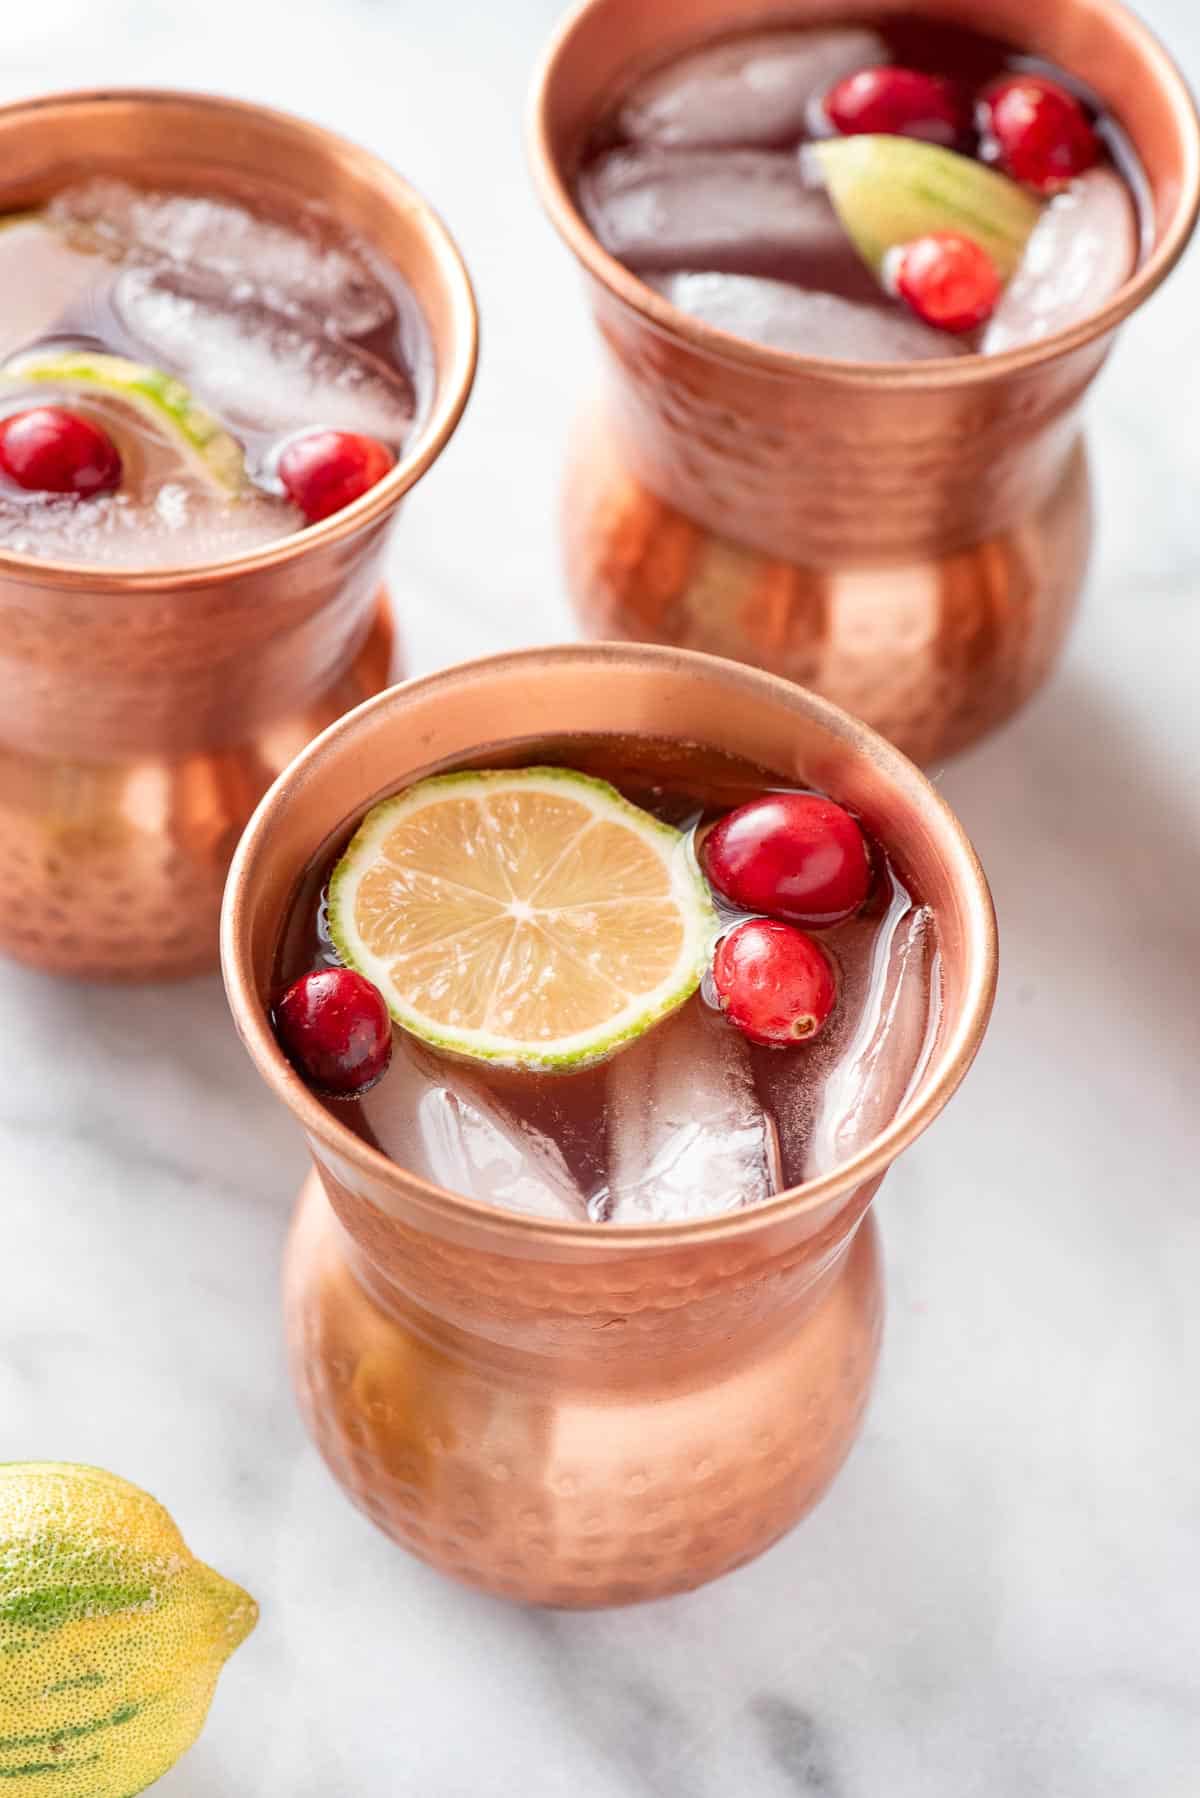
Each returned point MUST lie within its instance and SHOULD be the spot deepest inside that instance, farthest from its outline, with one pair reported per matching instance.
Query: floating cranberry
(793, 855)
(1037, 131)
(898, 103)
(774, 983)
(51, 450)
(327, 470)
(334, 1028)
(948, 280)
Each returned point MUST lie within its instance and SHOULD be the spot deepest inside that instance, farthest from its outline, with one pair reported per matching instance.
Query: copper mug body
(144, 714)
(908, 539)
(569, 1414)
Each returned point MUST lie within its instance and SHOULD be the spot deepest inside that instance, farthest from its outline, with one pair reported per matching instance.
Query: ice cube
(832, 1096)
(177, 528)
(687, 1136)
(432, 1117)
(41, 277)
(807, 323)
(746, 212)
(255, 367)
(290, 269)
(755, 90)
(1083, 247)
(889, 1025)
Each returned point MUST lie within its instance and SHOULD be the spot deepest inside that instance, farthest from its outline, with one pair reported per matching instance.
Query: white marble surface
(1000, 1597)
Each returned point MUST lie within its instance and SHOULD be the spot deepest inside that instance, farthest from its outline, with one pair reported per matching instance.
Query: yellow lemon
(111, 1634)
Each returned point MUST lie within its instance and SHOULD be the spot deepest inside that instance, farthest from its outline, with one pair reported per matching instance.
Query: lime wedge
(889, 190)
(161, 399)
(532, 918)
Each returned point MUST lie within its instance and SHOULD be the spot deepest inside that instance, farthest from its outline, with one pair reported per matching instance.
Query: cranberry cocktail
(888, 191)
(186, 376)
(624, 981)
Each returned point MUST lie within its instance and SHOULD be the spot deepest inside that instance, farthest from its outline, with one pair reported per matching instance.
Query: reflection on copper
(568, 1414)
(909, 539)
(142, 715)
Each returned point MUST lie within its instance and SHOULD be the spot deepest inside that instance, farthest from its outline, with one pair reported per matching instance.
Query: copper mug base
(114, 869)
(563, 1492)
(933, 652)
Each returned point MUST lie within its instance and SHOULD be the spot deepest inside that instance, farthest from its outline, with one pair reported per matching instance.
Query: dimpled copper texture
(908, 539)
(570, 1414)
(143, 715)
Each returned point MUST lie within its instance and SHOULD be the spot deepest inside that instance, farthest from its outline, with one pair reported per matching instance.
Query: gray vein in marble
(797, 1744)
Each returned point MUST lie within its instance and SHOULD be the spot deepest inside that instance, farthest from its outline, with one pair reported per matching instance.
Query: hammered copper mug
(576, 1414)
(908, 539)
(144, 714)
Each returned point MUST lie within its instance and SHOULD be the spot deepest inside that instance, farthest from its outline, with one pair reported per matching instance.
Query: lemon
(533, 918)
(889, 190)
(160, 398)
(111, 1634)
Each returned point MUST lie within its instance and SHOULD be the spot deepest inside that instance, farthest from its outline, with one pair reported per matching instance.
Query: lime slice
(889, 190)
(161, 399)
(533, 918)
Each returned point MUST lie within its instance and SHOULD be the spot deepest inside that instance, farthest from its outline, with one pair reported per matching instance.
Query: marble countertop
(1000, 1595)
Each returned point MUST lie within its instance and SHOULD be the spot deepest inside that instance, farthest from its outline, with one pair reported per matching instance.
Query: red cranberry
(774, 982)
(334, 1028)
(899, 103)
(51, 450)
(948, 280)
(794, 855)
(1037, 131)
(327, 470)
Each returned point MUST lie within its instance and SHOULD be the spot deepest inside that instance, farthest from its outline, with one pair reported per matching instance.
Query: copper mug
(143, 715)
(908, 539)
(575, 1414)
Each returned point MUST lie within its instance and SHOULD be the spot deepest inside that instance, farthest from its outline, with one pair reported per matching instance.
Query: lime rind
(889, 190)
(160, 397)
(584, 1048)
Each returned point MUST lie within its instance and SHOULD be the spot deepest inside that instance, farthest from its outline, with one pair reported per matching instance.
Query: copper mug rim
(453, 387)
(952, 1058)
(659, 312)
